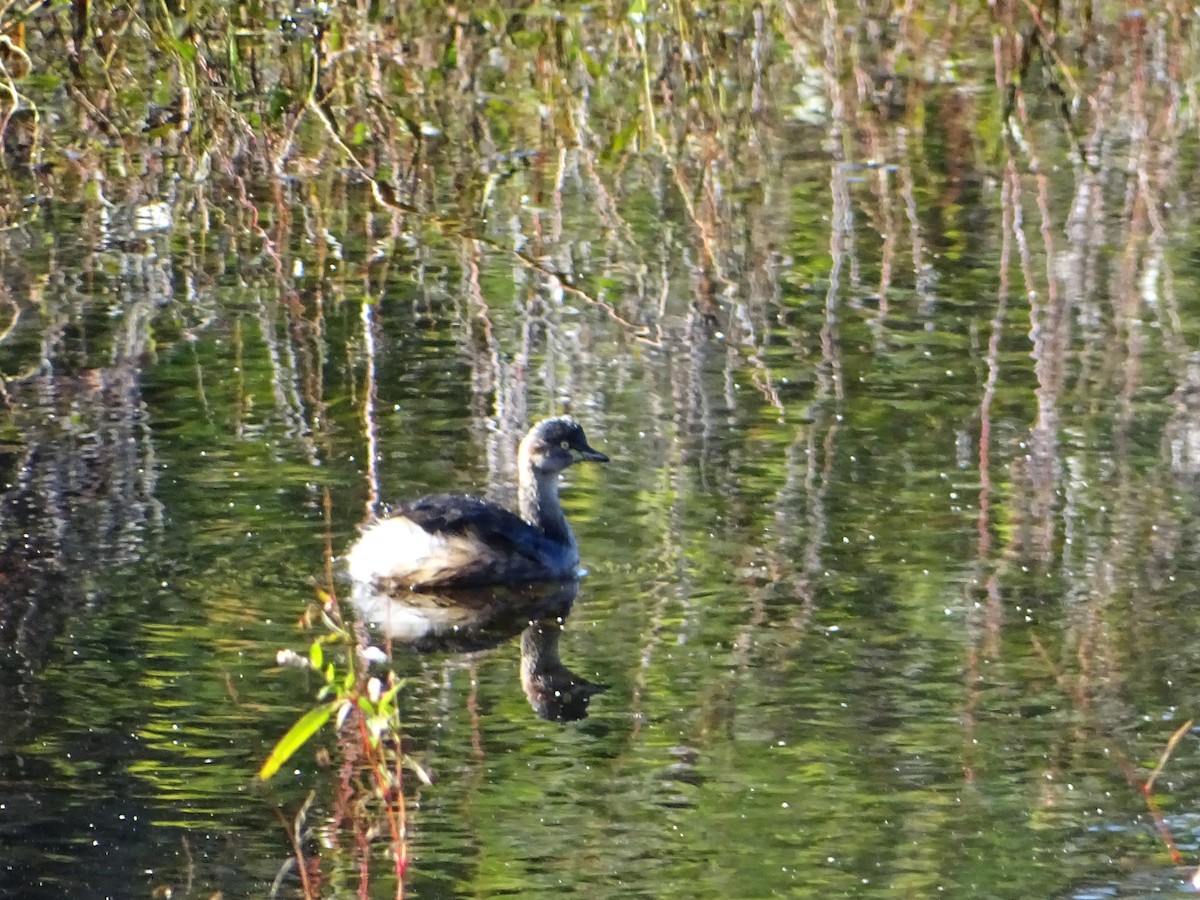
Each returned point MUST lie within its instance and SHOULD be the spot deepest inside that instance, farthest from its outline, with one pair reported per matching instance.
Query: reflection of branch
(816, 484)
(4, 335)
(370, 428)
(1049, 38)
(385, 196)
(1166, 754)
(1128, 769)
(294, 830)
(983, 637)
(640, 332)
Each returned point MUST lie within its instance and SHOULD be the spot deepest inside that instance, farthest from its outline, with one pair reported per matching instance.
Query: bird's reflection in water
(467, 621)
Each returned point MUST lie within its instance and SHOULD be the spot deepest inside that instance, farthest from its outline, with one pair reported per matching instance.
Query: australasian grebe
(453, 541)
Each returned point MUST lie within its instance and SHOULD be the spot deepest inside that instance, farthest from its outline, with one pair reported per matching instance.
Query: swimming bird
(456, 541)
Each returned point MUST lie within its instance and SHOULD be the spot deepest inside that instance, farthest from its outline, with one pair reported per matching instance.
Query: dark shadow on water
(469, 621)
(78, 500)
(51, 829)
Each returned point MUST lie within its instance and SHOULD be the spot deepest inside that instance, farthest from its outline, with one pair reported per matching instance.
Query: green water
(810, 690)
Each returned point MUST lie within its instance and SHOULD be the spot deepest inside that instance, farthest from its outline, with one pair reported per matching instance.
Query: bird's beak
(587, 454)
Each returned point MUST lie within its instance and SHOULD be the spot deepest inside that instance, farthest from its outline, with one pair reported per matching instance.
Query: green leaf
(315, 655)
(389, 696)
(308, 725)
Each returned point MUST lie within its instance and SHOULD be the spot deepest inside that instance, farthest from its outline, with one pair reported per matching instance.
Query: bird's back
(453, 540)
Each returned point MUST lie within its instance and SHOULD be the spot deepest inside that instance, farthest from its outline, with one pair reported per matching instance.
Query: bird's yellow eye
(566, 445)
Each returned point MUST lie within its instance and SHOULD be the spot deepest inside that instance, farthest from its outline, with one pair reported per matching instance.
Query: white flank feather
(377, 553)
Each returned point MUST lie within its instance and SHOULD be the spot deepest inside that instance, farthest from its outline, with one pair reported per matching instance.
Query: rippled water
(817, 680)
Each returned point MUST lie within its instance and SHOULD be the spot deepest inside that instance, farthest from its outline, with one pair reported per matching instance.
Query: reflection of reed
(1089, 509)
(370, 397)
(82, 481)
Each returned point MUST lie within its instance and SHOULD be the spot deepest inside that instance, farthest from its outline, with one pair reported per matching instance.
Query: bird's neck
(539, 653)
(540, 506)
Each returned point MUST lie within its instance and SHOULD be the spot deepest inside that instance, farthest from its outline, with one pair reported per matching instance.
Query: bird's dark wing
(465, 515)
(496, 543)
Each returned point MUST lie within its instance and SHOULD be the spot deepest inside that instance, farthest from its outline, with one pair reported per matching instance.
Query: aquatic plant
(365, 715)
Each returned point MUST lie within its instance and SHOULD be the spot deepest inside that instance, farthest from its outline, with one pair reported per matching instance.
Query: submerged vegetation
(889, 305)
